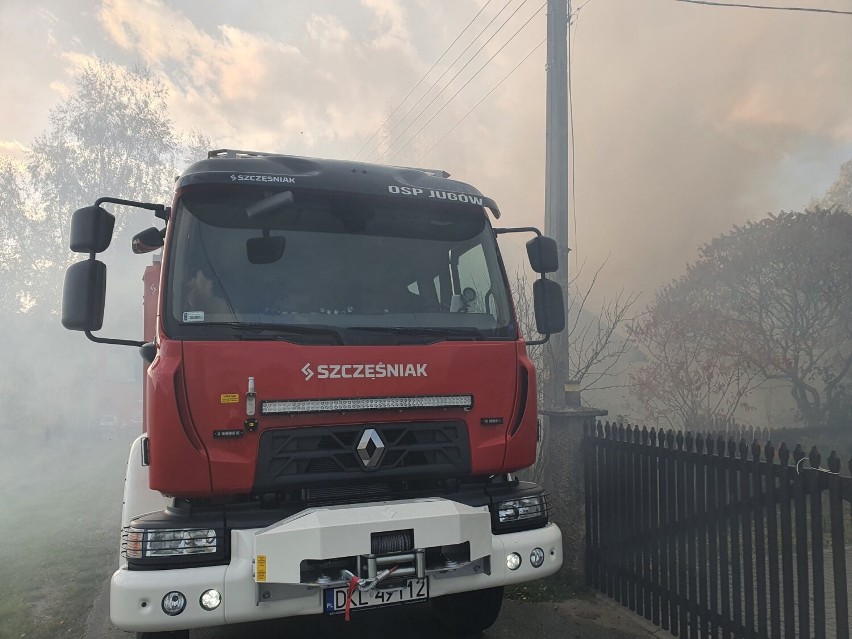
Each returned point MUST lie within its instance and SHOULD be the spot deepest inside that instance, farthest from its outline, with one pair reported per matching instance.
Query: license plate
(413, 590)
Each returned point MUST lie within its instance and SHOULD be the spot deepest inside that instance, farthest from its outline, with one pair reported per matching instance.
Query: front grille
(322, 455)
(345, 493)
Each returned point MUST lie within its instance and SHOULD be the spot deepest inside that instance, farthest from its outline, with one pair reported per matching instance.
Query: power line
(447, 85)
(575, 13)
(432, 68)
(573, 19)
(478, 71)
(420, 81)
(763, 6)
(485, 97)
(394, 140)
(441, 77)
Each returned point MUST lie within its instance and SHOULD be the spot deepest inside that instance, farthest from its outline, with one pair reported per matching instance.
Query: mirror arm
(109, 340)
(536, 342)
(517, 229)
(160, 210)
(523, 229)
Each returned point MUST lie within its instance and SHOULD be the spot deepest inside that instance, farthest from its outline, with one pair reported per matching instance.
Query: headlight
(521, 509)
(155, 543)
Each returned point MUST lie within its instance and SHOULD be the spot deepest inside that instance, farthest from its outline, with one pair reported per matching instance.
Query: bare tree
(688, 379)
(784, 287)
(595, 346)
(770, 301)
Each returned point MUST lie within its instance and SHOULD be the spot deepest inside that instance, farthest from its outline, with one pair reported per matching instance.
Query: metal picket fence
(711, 537)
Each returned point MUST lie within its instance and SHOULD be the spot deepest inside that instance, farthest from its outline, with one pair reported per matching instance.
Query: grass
(49, 584)
(547, 590)
(59, 529)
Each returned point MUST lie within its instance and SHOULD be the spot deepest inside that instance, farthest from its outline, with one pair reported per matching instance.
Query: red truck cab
(336, 399)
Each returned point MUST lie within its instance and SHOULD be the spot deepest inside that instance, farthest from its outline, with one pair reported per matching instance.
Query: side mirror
(91, 229)
(549, 307)
(543, 254)
(83, 296)
(265, 250)
(148, 240)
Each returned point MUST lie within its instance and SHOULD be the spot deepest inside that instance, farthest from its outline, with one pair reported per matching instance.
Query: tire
(469, 613)
(172, 634)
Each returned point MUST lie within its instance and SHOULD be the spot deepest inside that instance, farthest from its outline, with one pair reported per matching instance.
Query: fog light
(173, 603)
(513, 561)
(210, 599)
(537, 557)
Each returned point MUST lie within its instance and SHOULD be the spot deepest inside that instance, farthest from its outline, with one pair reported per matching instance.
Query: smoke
(708, 114)
(687, 119)
(70, 410)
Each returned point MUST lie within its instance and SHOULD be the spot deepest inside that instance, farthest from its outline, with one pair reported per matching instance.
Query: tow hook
(366, 584)
(363, 585)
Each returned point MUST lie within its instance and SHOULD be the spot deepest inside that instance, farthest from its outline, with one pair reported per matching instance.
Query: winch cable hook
(353, 584)
(363, 585)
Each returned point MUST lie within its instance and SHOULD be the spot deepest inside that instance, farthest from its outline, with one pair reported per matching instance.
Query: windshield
(320, 267)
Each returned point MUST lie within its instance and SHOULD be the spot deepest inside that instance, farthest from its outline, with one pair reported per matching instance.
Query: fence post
(562, 477)
(838, 545)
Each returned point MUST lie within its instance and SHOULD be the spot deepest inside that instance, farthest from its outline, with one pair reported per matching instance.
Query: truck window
(474, 276)
(347, 261)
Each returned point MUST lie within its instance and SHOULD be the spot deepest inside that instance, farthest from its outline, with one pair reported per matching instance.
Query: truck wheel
(173, 634)
(468, 613)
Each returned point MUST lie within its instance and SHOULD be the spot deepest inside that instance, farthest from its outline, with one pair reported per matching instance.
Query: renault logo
(370, 448)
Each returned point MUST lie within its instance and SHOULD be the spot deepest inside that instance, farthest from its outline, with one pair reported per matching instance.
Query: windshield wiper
(451, 333)
(279, 329)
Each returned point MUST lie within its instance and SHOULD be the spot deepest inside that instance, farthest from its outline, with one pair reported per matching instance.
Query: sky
(688, 119)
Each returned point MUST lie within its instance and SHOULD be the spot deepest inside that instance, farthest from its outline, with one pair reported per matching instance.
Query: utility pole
(562, 456)
(556, 199)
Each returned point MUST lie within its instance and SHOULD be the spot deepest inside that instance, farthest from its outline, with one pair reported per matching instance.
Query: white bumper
(324, 533)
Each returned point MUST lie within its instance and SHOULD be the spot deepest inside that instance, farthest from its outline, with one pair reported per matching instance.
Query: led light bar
(364, 403)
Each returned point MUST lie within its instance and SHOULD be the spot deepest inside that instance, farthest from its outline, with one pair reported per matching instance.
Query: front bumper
(325, 533)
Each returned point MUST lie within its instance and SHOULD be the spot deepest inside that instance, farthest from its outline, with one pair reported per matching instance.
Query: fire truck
(337, 397)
